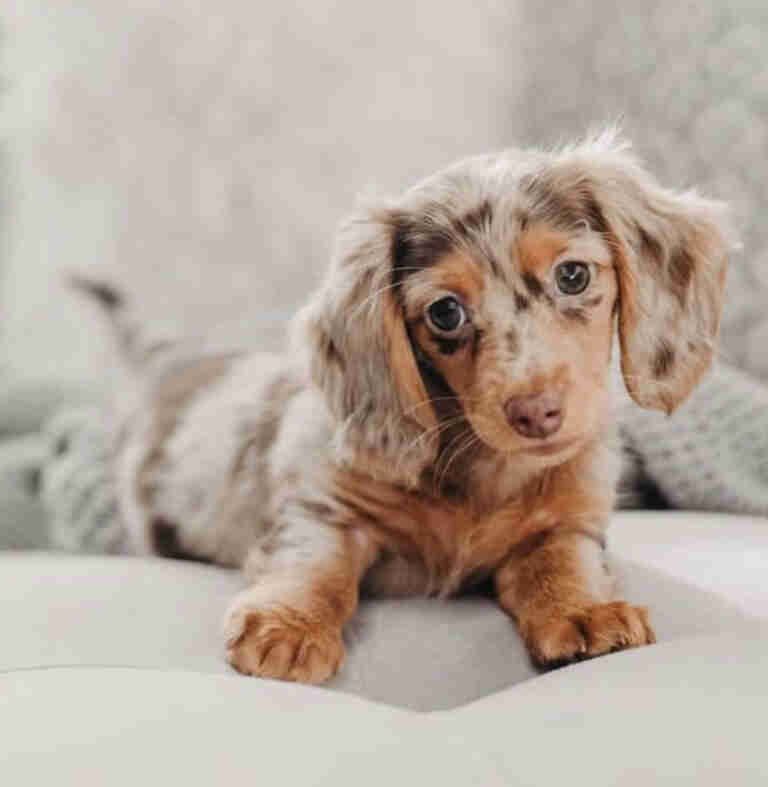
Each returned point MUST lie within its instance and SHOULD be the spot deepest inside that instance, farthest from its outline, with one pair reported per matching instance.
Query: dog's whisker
(430, 400)
(366, 301)
(426, 402)
(446, 452)
(465, 447)
(375, 294)
(438, 429)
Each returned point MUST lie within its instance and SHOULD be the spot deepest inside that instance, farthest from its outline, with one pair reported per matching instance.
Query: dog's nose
(535, 415)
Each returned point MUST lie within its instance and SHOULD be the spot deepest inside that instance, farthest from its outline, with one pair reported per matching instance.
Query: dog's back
(190, 452)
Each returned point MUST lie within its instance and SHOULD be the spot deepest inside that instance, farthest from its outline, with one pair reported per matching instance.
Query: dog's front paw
(600, 629)
(283, 644)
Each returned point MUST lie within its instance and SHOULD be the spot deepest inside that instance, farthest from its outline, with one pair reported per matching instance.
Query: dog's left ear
(360, 354)
(671, 254)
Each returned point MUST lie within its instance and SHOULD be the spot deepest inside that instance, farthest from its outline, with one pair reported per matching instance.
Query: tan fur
(413, 394)
(448, 542)
(292, 630)
(457, 272)
(538, 245)
(381, 451)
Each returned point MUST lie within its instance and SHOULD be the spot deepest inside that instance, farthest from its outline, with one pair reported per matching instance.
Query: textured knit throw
(77, 485)
(712, 454)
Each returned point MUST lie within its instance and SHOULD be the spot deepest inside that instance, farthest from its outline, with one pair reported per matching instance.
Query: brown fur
(409, 381)
(382, 452)
(448, 542)
(538, 245)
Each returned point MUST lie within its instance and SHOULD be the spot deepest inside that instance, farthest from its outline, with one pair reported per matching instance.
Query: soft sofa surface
(61, 611)
(111, 671)
(675, 714)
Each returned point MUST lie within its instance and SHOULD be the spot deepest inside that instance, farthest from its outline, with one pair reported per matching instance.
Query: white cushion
(727, 555)
(108, 672)
(416, 653)
(683, 713)
(104, 611)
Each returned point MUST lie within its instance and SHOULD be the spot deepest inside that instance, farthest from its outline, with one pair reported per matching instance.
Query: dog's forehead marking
(537, 247)
(589, 246)
(461, 271)
(454, 271)
(460, 250)
(540, 246)
(475, 221)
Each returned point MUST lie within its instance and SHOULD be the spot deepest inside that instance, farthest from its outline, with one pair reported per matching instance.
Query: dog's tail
(136, 348)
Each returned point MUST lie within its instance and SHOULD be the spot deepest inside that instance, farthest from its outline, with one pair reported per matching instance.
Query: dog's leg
(559, 591)
(288, 623)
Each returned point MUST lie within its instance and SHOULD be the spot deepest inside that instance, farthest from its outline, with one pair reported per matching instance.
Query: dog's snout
(535, 415)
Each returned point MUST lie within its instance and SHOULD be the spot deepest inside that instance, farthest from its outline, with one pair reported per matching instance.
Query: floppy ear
(360, 354)
(671, 256)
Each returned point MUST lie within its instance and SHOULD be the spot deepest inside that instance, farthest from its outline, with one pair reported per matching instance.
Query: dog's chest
(432, 545)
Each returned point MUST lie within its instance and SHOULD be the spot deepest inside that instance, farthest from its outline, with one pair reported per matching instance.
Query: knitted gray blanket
(712, 454)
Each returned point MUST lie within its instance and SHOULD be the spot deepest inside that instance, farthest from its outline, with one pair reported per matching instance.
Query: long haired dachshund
(444, 415)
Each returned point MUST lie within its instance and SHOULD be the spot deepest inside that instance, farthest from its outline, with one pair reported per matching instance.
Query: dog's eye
(446, 315)
(572, 278)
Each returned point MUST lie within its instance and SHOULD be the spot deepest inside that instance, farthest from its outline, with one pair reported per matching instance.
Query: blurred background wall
(202, 154)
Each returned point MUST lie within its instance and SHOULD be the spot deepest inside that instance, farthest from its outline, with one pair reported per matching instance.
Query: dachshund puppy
(444, 415)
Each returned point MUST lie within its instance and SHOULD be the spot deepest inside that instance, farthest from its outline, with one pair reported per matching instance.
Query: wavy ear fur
(360, 352)
(671, 255)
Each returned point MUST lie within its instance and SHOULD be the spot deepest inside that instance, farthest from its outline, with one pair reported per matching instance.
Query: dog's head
(499, 282)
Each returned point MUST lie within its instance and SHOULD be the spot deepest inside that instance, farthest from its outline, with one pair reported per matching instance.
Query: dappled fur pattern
(380, 453)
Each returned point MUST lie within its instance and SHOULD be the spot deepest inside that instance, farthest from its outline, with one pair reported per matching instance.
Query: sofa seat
(112, 670)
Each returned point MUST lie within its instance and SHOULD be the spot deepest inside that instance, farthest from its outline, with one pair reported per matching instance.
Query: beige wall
(202, 153)
(204, 157)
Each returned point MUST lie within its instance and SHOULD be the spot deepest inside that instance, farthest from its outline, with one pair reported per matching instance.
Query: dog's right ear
(360, 354)
(670, 256)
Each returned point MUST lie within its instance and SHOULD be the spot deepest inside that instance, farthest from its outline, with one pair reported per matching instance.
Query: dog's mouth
(543, 448)
(551, 448)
